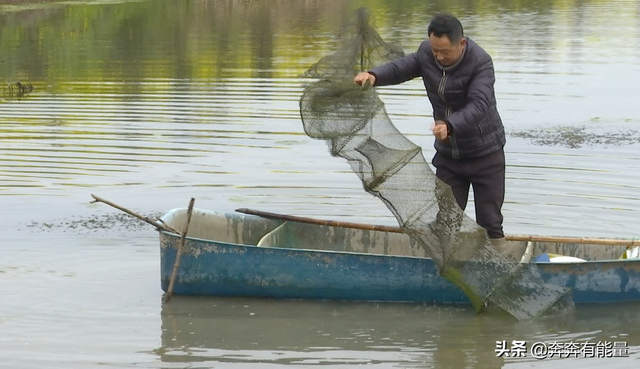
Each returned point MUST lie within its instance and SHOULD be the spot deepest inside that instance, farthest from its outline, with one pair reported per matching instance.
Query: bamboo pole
(176, 264)
(371, 227)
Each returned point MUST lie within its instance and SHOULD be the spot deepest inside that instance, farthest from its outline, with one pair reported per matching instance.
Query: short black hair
(446, 24)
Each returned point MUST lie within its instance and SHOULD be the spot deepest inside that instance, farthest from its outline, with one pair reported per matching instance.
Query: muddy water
(150, 103)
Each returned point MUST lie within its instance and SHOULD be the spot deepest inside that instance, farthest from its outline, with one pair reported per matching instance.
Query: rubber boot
(500, 244)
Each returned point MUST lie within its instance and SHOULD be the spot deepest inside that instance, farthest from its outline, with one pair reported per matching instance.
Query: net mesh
(354, 123)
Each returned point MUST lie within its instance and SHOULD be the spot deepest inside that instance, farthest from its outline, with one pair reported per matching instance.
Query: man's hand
(439, 129)
(362, 77)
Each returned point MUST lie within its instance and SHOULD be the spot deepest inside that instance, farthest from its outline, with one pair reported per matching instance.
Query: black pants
(487, 176)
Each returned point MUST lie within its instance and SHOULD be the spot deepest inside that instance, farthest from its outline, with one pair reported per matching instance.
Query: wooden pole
(332, 223)
(371, 227)
(176, 264)
(158, 225)
(577, 240)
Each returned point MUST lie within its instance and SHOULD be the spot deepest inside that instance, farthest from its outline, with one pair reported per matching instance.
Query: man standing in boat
(459, 79)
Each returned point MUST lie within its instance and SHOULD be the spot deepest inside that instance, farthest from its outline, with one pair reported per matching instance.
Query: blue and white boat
(233, 254)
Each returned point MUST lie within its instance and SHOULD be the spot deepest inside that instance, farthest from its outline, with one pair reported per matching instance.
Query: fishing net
(354, 123)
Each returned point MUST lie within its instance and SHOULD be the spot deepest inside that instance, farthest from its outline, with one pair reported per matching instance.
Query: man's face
(446, 53)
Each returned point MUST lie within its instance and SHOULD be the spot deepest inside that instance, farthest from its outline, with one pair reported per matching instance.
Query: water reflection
(136, 40)
(325, 333)
(215, 330)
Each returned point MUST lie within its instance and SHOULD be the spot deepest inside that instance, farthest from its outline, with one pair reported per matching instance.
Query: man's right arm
(397, 71)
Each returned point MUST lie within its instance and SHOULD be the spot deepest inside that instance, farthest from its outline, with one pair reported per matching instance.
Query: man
(459, 77)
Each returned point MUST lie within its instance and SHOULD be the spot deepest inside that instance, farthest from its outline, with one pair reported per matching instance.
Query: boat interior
(238, 228)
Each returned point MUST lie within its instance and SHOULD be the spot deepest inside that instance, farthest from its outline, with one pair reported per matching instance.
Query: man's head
(447, 39)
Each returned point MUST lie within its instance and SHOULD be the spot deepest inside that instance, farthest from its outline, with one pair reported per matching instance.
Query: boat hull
(211, 268)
